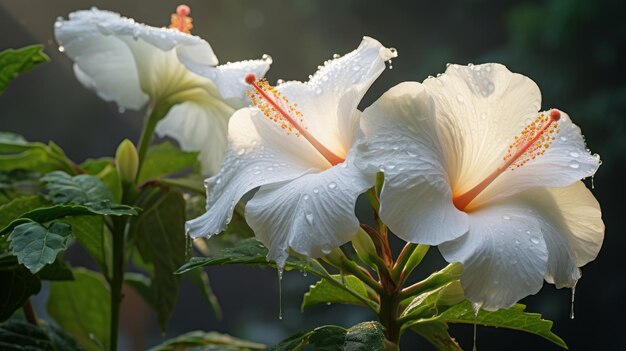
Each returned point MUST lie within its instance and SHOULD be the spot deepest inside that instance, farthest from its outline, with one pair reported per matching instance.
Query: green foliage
(18, 284)
(16, 153)
(82, 308)
(201, 280)
(159, 233)
(84, 190)
(16, 61)
(211, 341)
(36, 245)
(511, 318)
(326, 292)
(16, 183)
(104, 169)
(165, 159)
(17, 207)
(89, 231)
(366, 336)
(20, 336)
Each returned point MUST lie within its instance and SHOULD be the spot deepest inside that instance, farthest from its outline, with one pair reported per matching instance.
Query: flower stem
(117, 279)
(155, 113)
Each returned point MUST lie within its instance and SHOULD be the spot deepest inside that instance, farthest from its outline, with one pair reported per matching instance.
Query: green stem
(398, 269)
(117, 279)
(155, 114)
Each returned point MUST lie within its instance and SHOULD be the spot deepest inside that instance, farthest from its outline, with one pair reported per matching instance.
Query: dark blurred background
(573, 49)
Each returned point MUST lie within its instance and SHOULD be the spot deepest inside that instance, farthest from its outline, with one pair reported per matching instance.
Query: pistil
(181, 19)
(531, 143)
(277, 108)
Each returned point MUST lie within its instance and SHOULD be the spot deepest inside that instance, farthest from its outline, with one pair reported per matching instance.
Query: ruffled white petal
(572, 228)
(112, 50)
(400, 138)
(504, 254)
(259, 153)
(329, 99)
(229, 77)
(564, 163)
(312, 214)
(479, 110)
(201, 125)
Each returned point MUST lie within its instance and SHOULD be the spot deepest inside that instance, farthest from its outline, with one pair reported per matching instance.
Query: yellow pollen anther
(181, 19)
(532, 142)
(275, 106)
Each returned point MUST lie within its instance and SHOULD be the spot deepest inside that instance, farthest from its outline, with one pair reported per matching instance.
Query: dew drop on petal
(476, 308)
(318, 91)
(574, 164)
(483, 116)
(61, 48)
(534, 240)
(267, 58)
(309, 218)
(305, 197)
(240, 152)
(506, 217)
(332, 185)
(574, 154)
(336, 56)
(315, 190)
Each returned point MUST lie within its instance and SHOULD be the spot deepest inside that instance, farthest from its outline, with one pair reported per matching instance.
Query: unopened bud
(364, 247)
(126, 161)
(336, 258)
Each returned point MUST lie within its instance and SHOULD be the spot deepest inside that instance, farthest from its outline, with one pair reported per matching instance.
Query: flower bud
(126, 161)
(336, 258)
(364, 247)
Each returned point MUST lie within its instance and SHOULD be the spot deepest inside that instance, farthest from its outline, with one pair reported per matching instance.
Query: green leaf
(18, 183)
(85, 190)
(201, 280)
(18, 284)
(210, 341)
(17, 207)
(434, 301)
(90, 233)
(142, 286)
(325, 292)
(104, 169)
(35, 245)
(82, 308)
(252, 253)
(16, 61)
(57, 271)
(366, 336)
(18, 154)
(159, 233)
(436, 280)
(46, 214)
(19, 336)
(437, 334)
(165, 159)
(511, 318)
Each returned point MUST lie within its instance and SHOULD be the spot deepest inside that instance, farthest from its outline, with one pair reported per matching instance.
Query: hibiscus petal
(572, 228)
(479, 110)
(255, 157)
(105, 48)
(330, 98)
(504, 254)
(200, 126)
(312, 214)
(564, 163)
(229, 78)
(400, 139)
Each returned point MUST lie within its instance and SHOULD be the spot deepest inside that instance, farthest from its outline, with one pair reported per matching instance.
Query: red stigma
(183, 10)
(250, 78)
(554, 114)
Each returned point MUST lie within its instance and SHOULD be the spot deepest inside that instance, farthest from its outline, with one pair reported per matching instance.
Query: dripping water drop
(476, 308)
(280, 293)
(61, 48)
(571, 311)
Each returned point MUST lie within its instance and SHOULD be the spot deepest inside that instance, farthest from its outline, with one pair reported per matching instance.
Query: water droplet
(121, 109)
(241, 152)
(593, 186)
(332, 185)
(574, 164)
(448, 64)
(460, 98)
(279, 82)
(315, 190)
(309, 218)
(390, 64)
(59, 22)
(267, 58)
(563, 138)
(61, 48)
(304, 273)
(574, 154)
(356, 68)
(280, 293)
(336, 56)
(328, 304)
(256, 172)
(534, 240)
(516, 242)
(318, 90)
(305, 197)
(506, 217)
(476, 308)
(483, 115)
(571, 311)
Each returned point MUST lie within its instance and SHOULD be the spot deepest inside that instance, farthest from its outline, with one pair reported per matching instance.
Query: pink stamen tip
(555, 114)
(183, 10)
(250, 78)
